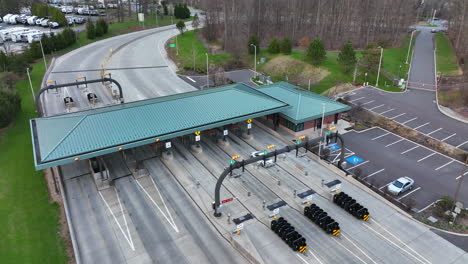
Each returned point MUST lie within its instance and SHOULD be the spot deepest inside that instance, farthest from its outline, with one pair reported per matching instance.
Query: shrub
(253, 40)
(316, 52)
(347, 57)
(286, 46)
(90, 30)
(11, 104)
(274, 46)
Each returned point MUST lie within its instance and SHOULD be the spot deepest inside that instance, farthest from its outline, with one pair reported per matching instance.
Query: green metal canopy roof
(58, 140)
(305, 105)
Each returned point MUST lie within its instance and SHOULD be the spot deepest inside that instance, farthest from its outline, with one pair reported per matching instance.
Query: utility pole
(460, 181)
(207, 76)
(255, 59)
(380, 65)
(321, 129)
(177, 45)
(409, 48)
(43, 55)
(30, 84)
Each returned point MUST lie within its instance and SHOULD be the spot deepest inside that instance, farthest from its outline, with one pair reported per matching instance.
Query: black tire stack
(289, 235)
(349, 204)
(322, 219)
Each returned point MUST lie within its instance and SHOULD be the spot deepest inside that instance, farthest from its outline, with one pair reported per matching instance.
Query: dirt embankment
(297, 72)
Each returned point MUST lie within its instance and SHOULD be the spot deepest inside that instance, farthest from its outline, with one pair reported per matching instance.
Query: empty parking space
(390, 157)
(424, 118)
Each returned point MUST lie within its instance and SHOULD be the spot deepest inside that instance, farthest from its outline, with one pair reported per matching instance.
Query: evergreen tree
(11, 104)
(253, 40)
(186, 11)
(60, 42)
(180, 26)
(90, 30)
(195, 22)
(274, 46)
(316, 52)
(177, 13)
(371, 56)
(166, 10)
(46, 44)
(52, 43)
(286, 46)
(347, 57)
(35, 49)
(99, 31)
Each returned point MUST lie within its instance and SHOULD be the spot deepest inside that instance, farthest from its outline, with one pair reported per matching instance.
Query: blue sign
(354, 160)
(333, 147)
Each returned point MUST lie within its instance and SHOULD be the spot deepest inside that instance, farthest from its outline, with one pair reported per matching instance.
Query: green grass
(393, 58)
(189, 44)
(29, 223)
(445, 55)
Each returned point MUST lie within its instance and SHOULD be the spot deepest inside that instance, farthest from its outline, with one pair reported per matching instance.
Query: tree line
(333, 21)
(44, 10)
(457, 12)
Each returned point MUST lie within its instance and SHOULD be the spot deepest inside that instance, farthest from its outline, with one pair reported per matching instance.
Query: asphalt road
(422, 73)
(237, 76)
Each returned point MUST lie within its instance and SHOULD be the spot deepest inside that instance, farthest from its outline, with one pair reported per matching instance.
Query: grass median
(445, 55)
(29, 222)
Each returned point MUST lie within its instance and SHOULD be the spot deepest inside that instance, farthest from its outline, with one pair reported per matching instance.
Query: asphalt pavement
(422, 71)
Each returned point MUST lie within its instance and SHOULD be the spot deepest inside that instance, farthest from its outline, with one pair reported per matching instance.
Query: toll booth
(100, 172)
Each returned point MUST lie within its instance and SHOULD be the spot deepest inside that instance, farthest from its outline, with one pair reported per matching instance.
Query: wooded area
(333, 21)
(458, 33)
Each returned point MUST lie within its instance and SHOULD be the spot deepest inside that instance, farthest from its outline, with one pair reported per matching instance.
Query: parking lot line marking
(191, 79)
(376, 107)
(381, 136)
(399, 240)
(356, 99)
(430, 155)
(372, 174)
(368, 102)
(395, 142)
(386, 111)
(462, 144)
(409, 149)
(339, 243)
(422, 125)
(409, 120)
(444, 165)
(408, 193)
(305, 261)
(397, 116)
(398, 247)
(431, 204)
(358, 165)
(461, 175)
(362, 251)
(448, 137)
(385, 185)
(434, 131)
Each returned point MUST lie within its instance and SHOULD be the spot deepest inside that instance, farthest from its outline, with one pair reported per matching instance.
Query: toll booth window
(299, 127)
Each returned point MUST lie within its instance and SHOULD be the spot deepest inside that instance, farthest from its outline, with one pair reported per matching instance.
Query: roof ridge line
(69, 132)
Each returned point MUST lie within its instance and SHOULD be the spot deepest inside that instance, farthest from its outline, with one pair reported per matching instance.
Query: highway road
(165, 217)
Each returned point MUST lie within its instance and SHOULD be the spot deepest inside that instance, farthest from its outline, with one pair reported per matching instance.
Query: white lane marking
(394, 142)
(409, 150)
(381, 136)
(408, 193)
(409, 120)
(334, 160)
(376, 107)
(356, 99)
(367, 102)
(398, 247)
(349, 251)
(385, 185)
(399, 240)
(430, 155)
(305, 261)
(448, 137)
(422, 125)
(397, 116)
(386, 111)
(461, 175)
(191, 79)
(349, 155)
(434, 131)
(431, 204)
(129, 238)
(374, 173)
(444, 165)
(160, 210)
(462, 144)
(355, 166)
(358, 248)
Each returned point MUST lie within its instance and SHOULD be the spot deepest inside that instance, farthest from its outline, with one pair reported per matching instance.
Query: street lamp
(255, 59)
(399, 70)
(365, 78)
(409, 48)
(207, 77)
(321, 128)
(380, 65)
(43, 55)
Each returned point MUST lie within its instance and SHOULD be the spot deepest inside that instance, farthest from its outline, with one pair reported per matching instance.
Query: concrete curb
(67, 214)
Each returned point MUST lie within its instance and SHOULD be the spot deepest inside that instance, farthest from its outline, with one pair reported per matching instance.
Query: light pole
(409, 48)
(43, 55)
(177, 45)
(321, 129)
(30, 84)
(399, 70)
(380, 65)
(207, 76)
(365, 79)
(255, 59)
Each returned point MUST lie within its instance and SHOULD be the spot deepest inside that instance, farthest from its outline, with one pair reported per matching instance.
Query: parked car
(45, 23)
(53, 24)
(400, 185)
(39, 21)
(434, 30)
(79, 20)
(267, 163)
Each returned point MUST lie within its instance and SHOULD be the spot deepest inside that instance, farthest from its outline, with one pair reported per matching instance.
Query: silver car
(400, 185)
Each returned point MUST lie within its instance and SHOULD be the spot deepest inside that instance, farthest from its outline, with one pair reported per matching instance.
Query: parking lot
(383, 157)
(414, 109)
